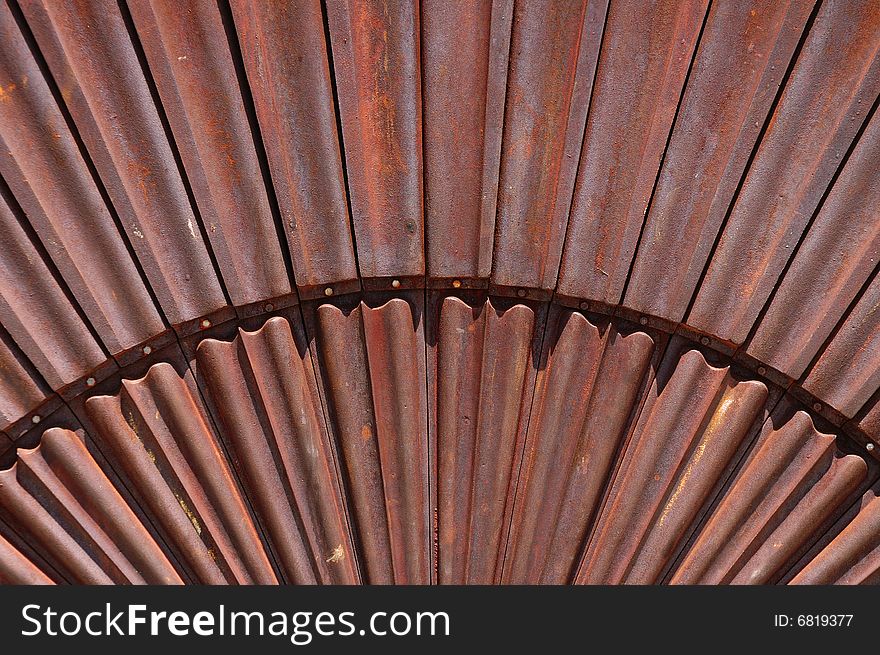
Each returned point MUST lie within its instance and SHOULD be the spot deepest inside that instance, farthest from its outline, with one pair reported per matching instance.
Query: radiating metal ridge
(416, 291)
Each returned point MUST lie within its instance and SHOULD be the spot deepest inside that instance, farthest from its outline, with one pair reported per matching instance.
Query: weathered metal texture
(372, 375)
(57, 496)
(285, 53)
(263, 392)
(589, 391)
(375, 49)
(193, 69)
(465, 49)
(791, 487)
(833, 262)
(744, 51)
(36, 311)
(482, 365)
(853, 556)
(15, 568)
(646, 53)
(22, 389)
(43, 166)
(96, 67)
(834, 82)
(553, 53)
(695, 420)
(157, 436)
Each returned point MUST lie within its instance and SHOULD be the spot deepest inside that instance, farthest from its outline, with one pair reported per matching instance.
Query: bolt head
(817, 407)
(643, 320)
(206, 323)
(146, 350)
(36, 418)
(456, 284)
(762, 370)
(584, 305)
(395, 284)
(704, 341)
(869, 446)
(269, 307)
(328, 291)
(90, 382)
(521, 293)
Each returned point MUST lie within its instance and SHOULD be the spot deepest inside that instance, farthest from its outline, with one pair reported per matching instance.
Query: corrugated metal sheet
(482, 376)
(284, 52)
(834, 81)
(642, 68)
(588, 291)
(553, 52)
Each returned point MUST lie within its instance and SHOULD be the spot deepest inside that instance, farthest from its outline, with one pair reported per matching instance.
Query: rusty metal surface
(372, 375)
(284, 52)
(589, 390)
(792, 484)
(104, 89)
(257, 384)
(744, 51)
(15, 568)
(462, 164)
(375, 51)
(59, 498)
(853, 556)
(643, 64)
(553, 52)
(157, 435)
(695, 419)
(833, 83)
(51, 333)
(548, 354)
(50, 180)
(193, 70)
(482, 370)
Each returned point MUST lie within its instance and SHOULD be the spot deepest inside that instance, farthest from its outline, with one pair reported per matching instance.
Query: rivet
(395, 284)
(269, 307)
(521, 293)
(456, 284)
(147, 350)
(584, 305)
(869, 446)
(762, 370)
(36, 418)
(90, 382)
(328, 291)
(704, 341)
(643, 320)
(206, 323)
(817, 407)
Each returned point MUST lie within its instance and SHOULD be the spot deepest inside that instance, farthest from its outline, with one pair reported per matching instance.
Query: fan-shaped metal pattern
(351, 291)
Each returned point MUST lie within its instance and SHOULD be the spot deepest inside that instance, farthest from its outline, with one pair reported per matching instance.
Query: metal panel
(464, 76)
(157, 435)
(37, 313)
(372, 370)
(792, 486)
(15, 568)
(696, 418)
(194, 72)
(376, 60)
(744, 51)
(590, 387)
(554, 47)
(262, 390)
(284, 53)
(646, 54)
(41, 163)
(853, 557)
(822, 107)
(57, 496)
(483, 365)
(94, 63)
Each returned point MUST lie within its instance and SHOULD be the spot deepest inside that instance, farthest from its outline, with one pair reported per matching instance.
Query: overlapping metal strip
(628, 182)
